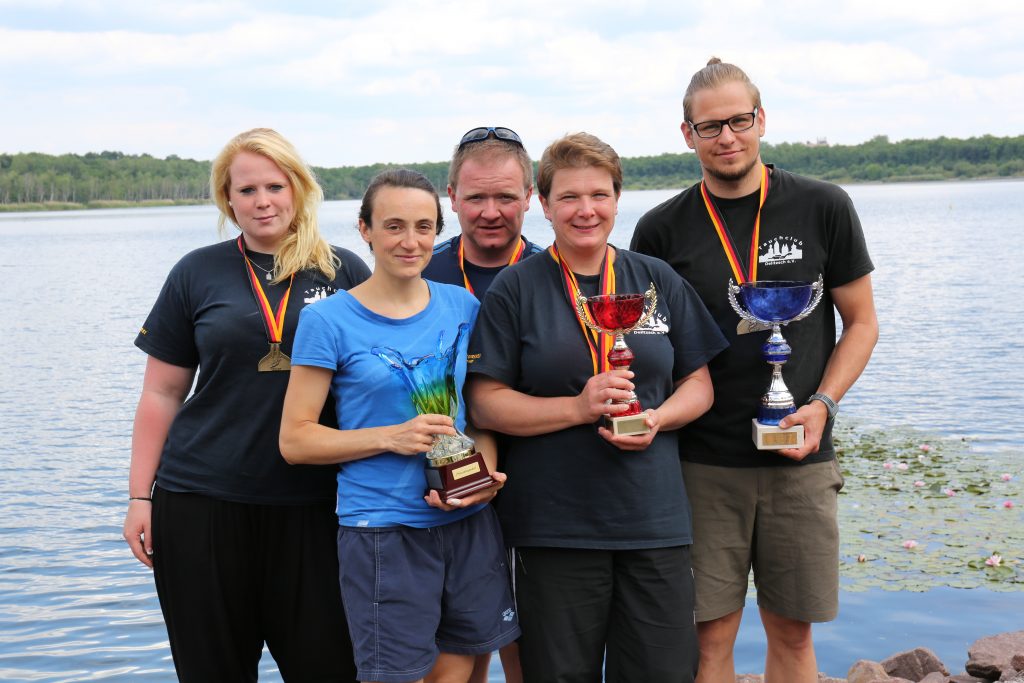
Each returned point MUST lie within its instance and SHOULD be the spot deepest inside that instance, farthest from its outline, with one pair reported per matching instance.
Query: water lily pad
(881, 508)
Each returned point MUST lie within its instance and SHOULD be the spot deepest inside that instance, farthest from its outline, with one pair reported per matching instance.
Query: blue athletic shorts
(412, 593)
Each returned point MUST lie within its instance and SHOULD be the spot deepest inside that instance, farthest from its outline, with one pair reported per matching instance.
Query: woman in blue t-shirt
(423, 579)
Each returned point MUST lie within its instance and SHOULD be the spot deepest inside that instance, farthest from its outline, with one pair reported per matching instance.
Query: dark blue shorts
(412, 593)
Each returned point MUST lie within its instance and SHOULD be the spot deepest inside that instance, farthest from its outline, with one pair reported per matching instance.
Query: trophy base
(772, 438)
(627, 425)
(459, 478)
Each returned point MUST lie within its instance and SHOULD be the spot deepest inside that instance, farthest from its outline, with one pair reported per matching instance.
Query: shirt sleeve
(496, 345)
(169, 331)
(695, 336)
(848, 257)
(354, 269)
(315, 344)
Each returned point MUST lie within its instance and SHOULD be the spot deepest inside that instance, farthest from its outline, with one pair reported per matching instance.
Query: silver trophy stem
(620, 343)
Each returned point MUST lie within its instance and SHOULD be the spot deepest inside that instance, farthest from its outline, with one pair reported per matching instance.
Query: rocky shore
(990, 659)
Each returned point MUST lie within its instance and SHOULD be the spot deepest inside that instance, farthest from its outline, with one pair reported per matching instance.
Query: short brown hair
(491, 149)
(578, 150)
(716, 73)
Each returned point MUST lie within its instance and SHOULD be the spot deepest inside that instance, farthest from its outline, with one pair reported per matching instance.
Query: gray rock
(966, 678)
(914, 664)
(1012, 676)
(749, 678)
(866, 671)
(822, 678)
(1017, 662)
(989, 657)
(935, 677)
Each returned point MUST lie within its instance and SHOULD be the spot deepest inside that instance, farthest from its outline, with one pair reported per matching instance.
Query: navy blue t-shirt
(444, 266)
(223, 442)
(571, 488)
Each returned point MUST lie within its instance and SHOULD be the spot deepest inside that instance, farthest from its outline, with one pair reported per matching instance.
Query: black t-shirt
(571, 488)
(224, 440)
(444, 266)
(808, 228)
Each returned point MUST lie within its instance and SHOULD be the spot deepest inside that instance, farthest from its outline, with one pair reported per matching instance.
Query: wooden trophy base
(627, 425)
(459, 478)
(772, 438)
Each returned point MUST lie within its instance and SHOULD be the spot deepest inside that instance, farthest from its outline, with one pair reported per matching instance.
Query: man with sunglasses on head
(770, 511)
(490, 182)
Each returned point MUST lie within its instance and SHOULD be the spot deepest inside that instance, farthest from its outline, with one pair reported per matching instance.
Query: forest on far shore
(34, 181)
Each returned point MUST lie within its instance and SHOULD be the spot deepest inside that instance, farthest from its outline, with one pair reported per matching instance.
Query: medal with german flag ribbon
(731, 253)
(516, 256)
(273, 322)
(598, 344)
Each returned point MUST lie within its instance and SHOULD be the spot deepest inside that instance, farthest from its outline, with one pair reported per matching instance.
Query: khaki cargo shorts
(778, 521)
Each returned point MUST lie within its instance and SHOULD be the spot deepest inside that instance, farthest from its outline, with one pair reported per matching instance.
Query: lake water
(75, 605)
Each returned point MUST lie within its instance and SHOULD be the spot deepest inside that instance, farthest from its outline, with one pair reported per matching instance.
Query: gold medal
(275, 361)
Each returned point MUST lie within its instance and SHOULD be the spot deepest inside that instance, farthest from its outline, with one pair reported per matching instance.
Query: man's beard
(731, 176)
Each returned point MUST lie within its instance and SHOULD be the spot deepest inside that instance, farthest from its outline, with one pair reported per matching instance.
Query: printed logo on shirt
(508, 615)
(471, 358)
(779, 250)
(318, 292)
(656, 324)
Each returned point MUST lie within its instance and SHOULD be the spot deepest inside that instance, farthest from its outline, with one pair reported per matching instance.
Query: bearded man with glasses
(773, 512)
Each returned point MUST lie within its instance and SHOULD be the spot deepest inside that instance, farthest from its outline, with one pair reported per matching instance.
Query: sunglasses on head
(484, 132)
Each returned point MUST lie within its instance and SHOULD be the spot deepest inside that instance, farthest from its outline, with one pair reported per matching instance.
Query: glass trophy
(454, 467)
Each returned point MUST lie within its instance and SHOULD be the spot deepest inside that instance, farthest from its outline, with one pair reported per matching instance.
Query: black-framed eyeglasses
(483, 132)
(712, 129)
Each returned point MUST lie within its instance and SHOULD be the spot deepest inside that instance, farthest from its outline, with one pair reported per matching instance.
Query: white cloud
(400, 81)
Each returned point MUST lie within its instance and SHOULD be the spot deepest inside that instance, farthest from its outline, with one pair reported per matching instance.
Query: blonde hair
(716, 73)
(303, 247)
(578, 150)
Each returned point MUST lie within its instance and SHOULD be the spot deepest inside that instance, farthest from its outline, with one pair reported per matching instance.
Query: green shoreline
(31, 207)
(97, 204)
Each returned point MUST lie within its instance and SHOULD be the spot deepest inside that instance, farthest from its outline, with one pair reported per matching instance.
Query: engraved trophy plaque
(454, 467)
(618, 315)
(774, 303)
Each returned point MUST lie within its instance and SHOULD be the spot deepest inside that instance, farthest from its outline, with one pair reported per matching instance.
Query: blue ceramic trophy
(772, 304)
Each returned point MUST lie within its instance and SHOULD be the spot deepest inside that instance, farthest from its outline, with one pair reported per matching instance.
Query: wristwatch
(831, 406)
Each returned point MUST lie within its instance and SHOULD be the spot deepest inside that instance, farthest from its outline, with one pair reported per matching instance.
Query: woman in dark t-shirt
(241, 543)
(598, 521)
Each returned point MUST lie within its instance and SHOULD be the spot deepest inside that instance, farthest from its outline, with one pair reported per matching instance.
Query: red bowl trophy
(620, 314)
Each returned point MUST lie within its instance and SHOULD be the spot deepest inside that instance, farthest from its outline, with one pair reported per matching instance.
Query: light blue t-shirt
(337, 333)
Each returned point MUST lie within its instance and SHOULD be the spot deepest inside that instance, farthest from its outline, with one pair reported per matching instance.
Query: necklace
(269, 273)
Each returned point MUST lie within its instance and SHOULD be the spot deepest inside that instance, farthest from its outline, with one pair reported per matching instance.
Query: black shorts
(631, 610)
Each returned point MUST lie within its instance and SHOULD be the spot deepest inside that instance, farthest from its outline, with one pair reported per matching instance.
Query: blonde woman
(241, 543)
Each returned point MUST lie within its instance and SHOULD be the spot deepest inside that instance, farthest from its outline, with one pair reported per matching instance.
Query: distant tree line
(102, 178)
(876, 160)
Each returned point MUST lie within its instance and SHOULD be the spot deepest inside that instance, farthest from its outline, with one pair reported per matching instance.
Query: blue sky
(357, 82)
